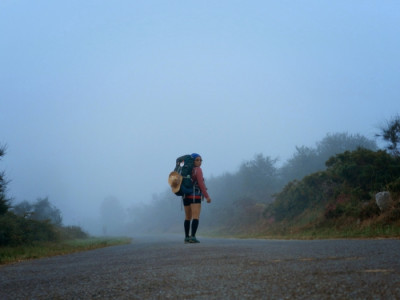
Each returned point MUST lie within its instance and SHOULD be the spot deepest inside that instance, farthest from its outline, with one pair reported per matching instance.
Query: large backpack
(184, 166)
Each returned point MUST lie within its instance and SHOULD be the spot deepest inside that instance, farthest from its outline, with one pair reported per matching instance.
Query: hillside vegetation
(34, 230)
(320, 192)
(324, 191)
(262, 198)
(340, 200)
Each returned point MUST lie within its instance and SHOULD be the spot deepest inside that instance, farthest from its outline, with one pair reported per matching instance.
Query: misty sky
(98, 98)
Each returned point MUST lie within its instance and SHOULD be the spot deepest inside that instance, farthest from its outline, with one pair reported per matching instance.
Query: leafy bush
(11, 230)
(351, 180)
(308, 160)
(72, 232)
(393, 215)
(15, 230)
(337, 208)
(41, 210)
(390, 133)
(365, 169)
(297, 196)
(259, 178)
(394, 188)
(369, 210)
(4, 201)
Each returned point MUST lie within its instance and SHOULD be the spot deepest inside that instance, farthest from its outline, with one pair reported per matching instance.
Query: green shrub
(11, 231)
(369, 210)
(15, 230)
(394, 188)
(41, 231)
(365, 169)
(393, 215)
(351, 179)
(344, 205)
(72, 232)
(4, 201)
(297, 196)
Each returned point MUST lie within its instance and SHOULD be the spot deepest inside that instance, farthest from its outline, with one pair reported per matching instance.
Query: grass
(314, 229)
(346, 232)
(39, 250)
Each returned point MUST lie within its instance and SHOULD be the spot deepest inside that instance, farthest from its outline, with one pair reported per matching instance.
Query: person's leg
(186, 225)
(188, 217)
(196, 208)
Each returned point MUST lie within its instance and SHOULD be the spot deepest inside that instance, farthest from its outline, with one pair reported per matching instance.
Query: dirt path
(164, 268)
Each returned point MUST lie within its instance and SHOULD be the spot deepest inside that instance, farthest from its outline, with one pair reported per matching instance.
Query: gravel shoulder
(163, 267)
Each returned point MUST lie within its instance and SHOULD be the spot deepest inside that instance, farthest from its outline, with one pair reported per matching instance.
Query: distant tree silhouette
(304, 161)
(309, 160)
(259, 177)
(23, 209)
(44, 210)
(112, 216)
(337, 143)
(4, 201)
(390, 133)
(41, 210)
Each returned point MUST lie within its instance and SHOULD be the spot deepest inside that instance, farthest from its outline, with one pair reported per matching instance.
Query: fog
(98, 98)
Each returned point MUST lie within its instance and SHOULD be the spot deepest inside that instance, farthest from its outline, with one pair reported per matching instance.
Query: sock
(187, 227)
(195, 224)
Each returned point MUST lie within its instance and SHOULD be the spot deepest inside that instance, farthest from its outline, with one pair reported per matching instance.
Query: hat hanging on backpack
(175, 181)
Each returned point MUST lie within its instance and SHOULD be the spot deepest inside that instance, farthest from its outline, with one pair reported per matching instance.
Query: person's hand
(208, 200)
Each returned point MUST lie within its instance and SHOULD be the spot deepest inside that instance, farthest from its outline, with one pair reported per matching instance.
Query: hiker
(192, 202)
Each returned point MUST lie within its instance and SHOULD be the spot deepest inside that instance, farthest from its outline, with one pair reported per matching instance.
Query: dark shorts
(188, 201)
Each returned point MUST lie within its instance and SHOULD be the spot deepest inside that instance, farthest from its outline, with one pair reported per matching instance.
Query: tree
(309, 160)
(365, 170)
(259, 177)
(23, 209)
(303, 162)
(4, 201)
(337, 143)
(390, 133)
(41, 210)
(113, 216)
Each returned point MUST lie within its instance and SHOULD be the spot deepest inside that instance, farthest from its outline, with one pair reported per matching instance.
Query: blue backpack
(184, 166)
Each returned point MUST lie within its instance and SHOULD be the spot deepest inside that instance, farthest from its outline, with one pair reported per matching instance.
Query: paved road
(165, 268)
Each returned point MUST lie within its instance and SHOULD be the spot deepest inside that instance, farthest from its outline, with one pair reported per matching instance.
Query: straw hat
(175, 181)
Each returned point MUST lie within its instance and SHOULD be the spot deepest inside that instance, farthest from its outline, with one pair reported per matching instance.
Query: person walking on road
(192, 202)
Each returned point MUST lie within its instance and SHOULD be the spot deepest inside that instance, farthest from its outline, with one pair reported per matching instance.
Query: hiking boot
(187, 240)
(194, 240)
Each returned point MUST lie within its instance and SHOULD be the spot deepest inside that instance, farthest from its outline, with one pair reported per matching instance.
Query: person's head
(197, 159)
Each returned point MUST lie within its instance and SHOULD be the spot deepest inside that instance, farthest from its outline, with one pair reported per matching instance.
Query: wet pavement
(163, 267)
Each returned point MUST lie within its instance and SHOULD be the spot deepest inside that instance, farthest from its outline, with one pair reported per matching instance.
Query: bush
(4, 201)
(369, 210)
(41, 210)
(338, 207)
(393, 215)
(16, 231)
(41, 231)
(348, 183)
(394, 188)
(72, 232)
(365, 169)
(297, 196)
(11, 231)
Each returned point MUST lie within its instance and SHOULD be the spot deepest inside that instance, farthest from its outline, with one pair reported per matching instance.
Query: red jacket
(197, 177)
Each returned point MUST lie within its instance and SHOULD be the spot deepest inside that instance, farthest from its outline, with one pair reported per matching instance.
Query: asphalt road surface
(163, 267)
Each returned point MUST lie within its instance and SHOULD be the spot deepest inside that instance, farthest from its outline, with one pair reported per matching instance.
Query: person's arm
(200, 182)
